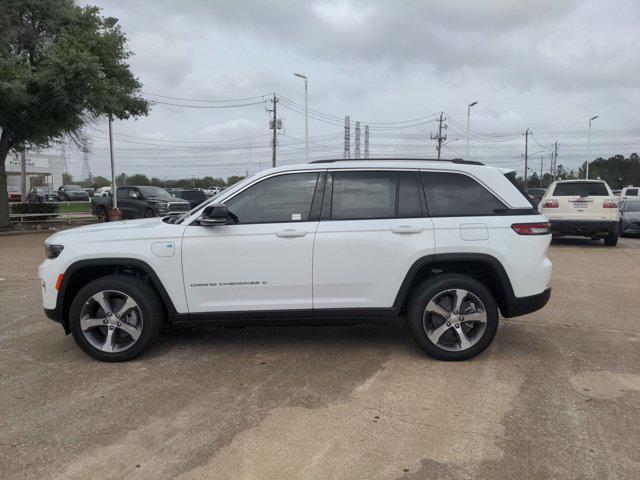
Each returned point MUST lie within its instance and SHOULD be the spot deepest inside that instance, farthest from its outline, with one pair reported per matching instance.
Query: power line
(206, 101)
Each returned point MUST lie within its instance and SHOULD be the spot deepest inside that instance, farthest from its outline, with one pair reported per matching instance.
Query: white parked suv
(586, 208)
(445, 244)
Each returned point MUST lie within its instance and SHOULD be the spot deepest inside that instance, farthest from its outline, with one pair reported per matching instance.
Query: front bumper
(516, 306)
(583, 228)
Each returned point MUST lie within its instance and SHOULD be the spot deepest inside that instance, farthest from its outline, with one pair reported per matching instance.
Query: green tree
(100, 181)
(67, 179)
(233, 179)
(138, 179)
(61, 66)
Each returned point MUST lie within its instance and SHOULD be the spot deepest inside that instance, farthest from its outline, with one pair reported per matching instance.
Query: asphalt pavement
(557, 395)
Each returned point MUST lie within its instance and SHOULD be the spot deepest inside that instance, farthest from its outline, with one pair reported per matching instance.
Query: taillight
(532, 228)
(610, 204)
(551, 204)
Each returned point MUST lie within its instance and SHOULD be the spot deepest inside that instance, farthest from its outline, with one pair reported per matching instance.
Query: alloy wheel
(111, 321)
(455, 320)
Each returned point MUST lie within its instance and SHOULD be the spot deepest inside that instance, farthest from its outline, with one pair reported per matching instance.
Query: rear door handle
(290, 233)
(407, 229)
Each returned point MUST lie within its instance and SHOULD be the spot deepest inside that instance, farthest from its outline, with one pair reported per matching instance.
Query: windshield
(581, 189)
(155, 192)
(73, 188)
(631, 207)
(13, 189)
(192, 194)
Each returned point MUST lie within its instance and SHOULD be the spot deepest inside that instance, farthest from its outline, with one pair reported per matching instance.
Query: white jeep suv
(445, 244)
(586, 208)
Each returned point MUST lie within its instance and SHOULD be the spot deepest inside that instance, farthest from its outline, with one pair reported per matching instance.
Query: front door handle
(407, 229)
(290, 233)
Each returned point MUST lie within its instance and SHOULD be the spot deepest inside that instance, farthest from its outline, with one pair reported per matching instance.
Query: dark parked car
(90, 191)
(14, 193)
(629, 217)
(194, 197)
(70, 193)
(40, 195)
(139, 202)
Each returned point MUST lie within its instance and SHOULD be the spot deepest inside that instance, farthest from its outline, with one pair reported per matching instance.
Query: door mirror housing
(216, 214)
(134, 195)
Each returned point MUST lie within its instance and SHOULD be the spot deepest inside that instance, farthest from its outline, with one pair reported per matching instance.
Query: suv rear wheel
(453, 317)
(611, 240)
(115, 318)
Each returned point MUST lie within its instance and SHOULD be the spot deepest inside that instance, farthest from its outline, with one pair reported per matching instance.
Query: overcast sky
(547, 65)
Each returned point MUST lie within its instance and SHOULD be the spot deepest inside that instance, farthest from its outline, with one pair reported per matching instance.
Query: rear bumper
(516, 306)
(584, 228)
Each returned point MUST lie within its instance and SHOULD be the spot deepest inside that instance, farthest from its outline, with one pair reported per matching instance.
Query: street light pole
(468, 122)
(114, 197)
(589, 146)
(306, 113)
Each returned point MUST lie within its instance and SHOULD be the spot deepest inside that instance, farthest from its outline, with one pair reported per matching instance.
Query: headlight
(53, 251)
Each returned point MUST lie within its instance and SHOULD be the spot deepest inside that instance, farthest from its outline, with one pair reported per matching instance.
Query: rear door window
(580, 189)
(458, 195)
(364, 195)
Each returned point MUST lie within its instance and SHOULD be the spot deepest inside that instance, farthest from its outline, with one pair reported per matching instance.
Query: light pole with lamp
(589, 145)
(114, 213)
(468, 122)
(306, 114)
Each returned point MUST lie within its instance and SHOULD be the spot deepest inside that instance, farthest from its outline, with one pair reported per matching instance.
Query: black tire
(142, 293)
(148, 213)
(611, 240)
(102, 214)
(621, 231)
(436, 285)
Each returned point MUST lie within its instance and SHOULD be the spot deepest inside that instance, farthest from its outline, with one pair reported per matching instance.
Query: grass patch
(72, 207)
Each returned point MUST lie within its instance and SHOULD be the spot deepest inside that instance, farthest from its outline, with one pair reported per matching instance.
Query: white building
(50, 165)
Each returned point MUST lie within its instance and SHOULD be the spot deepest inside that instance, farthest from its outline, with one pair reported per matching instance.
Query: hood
(166, 200)
(138, 228)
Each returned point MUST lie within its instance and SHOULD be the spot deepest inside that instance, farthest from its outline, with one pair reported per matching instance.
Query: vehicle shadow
(578, 242)
(294, 339)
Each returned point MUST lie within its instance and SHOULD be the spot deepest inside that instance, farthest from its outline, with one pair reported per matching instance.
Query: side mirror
(216, 214)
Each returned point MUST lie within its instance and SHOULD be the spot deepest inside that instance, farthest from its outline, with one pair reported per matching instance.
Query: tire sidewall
(141, 293)
(426, 291)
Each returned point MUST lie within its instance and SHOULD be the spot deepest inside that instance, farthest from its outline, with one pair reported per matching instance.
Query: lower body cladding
(583, 228)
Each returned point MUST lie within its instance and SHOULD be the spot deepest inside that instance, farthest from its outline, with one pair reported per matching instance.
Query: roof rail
(453, 160)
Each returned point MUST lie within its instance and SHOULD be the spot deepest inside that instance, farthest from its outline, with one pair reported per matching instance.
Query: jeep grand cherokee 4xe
(446, 245)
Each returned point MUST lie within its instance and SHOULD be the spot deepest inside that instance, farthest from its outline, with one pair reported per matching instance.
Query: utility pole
(541, 163)
(526, 156)
(366, 141)
(554, 165)
(439, 138)
(274, 124)
(23, 173)
(347, 137)
(356, 148)
(589, 146)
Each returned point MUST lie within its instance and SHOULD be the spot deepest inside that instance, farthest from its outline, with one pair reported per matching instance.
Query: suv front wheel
(115, 318)
(453, 317)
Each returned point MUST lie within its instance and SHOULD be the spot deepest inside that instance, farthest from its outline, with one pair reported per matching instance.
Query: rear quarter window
(581, 189)
(458, 195)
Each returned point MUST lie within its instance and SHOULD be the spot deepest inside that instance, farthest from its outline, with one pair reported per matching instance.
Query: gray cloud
(546, 65)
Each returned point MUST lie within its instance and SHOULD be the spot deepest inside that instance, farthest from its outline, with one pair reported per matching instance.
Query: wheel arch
(81, 272)
(485, 268)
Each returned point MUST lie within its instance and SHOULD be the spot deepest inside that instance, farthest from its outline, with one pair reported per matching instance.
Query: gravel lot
(557, 395)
